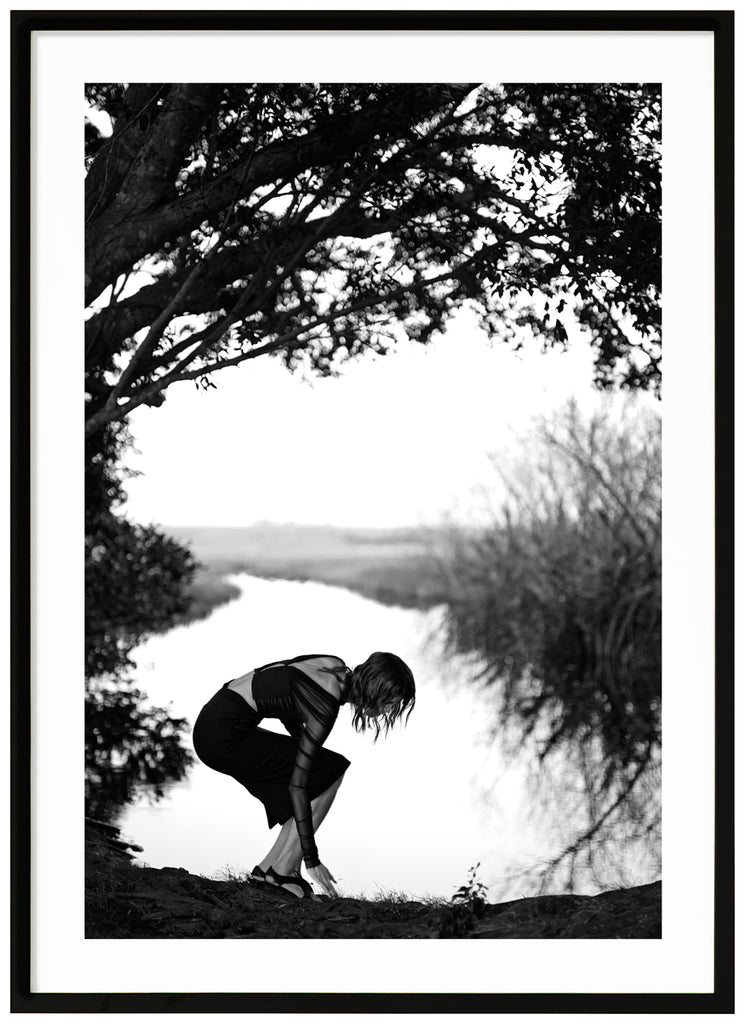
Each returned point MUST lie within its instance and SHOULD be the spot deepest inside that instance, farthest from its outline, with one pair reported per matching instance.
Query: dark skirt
(227, 738)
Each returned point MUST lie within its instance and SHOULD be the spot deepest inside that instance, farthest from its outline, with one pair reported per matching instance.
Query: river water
(416, 810)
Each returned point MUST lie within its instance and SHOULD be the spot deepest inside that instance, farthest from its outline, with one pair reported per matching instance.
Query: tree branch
(116, 241)
(215, 333)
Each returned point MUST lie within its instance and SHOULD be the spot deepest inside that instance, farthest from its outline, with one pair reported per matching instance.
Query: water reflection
(131, 748)
(415, 810)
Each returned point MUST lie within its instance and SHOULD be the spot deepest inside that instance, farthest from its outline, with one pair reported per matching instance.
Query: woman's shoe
(257, 874)
(283, 881)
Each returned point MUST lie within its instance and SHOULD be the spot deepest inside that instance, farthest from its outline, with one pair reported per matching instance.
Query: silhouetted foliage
(561, 597)
(467, 905)
(135, 576)
(227, 222)
(135, 585)
(129, 749)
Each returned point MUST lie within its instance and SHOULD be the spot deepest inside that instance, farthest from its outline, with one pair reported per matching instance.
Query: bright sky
(399, 440)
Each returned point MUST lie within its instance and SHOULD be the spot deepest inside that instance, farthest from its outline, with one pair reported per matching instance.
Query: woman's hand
(321, 874)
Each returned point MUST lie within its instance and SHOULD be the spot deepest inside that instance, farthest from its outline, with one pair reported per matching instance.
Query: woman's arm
(319, 712)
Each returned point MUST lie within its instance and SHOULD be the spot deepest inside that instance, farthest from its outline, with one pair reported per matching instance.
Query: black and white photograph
(352, 612)
(373, 370)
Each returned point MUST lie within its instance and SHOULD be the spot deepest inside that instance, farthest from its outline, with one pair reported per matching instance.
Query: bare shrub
(560, 595)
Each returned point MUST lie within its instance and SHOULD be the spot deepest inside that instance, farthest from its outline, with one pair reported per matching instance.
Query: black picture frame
(721, 999)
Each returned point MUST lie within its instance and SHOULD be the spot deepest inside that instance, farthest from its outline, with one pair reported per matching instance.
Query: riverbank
(127, 901)
(391, 566)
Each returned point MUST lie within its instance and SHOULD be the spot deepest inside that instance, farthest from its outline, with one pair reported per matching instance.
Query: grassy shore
(126, 901)
(395, 567)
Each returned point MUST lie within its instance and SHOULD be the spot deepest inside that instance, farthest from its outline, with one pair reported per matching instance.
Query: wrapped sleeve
(318, 710)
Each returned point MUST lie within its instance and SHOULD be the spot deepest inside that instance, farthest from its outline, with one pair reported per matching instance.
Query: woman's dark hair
(382, 679)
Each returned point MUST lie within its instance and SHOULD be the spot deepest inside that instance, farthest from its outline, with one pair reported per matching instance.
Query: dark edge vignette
(724, 475)
(721, 23)
(20, 518)
(384, 20)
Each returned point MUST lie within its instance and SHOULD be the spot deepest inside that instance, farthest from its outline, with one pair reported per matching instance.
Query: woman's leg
(285, 855)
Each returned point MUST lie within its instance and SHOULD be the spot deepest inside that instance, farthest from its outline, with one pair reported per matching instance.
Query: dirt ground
(126, 901)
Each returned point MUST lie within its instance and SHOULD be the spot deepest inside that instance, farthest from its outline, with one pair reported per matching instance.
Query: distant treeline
(394, 566)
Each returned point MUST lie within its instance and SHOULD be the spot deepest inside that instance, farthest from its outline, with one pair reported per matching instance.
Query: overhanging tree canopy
(227, 222)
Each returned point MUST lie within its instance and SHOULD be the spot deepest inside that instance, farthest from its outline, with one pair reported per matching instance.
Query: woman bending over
(296, 777)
